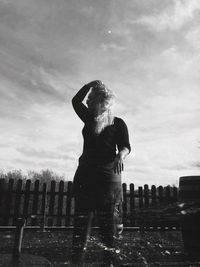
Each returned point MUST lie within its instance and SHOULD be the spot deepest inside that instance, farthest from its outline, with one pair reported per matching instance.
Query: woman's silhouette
(97, 181)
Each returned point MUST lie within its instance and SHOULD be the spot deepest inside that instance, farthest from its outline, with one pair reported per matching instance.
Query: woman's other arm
(123, 153)
(123, 145)
(119, 159)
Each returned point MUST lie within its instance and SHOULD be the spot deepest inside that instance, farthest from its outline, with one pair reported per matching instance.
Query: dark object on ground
(26, 260)
(189, 198)
(18, 238)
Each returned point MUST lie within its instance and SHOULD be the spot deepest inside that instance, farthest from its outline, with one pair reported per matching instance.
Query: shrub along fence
(52, 204)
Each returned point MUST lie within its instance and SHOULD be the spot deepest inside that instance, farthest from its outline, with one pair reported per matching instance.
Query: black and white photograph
(99, 133)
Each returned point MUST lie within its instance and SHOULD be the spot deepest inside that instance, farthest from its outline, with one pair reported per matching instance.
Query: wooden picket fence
(52, 204)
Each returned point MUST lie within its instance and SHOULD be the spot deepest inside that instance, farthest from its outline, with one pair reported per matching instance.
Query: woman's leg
(107, 228)
(110, 218)
(82, 226)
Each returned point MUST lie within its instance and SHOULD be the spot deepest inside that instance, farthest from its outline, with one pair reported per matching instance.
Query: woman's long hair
(101, 99)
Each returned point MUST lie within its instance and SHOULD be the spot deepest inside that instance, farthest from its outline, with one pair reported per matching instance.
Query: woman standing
(97, 181)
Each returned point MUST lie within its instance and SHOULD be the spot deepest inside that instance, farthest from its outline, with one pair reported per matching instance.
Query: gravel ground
(133, 249)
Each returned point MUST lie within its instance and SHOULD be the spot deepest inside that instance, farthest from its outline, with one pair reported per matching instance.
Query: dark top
(102, 148)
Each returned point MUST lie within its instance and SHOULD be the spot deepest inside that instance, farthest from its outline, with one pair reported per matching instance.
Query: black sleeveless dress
(95, 177)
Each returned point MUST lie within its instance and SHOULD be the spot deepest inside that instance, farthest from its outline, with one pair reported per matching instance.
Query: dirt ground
(133, 249)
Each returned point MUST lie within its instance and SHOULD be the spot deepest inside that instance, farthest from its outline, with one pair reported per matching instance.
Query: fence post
(161, 201)
(68, 204)
(52, 203)
(17, 201)
(132, 204)
(146, 196)
(60, 203)
(168, 198)
(43, 207)
(20, 223)
(35, 203)
(160, 194)
(2, 199)
(175, 194)
(8, 201)
(140, 195)
(2, 189)
(26, 199)
(153, 195)
(124, 205)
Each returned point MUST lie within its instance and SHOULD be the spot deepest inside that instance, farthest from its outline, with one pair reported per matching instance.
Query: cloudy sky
(147, 51)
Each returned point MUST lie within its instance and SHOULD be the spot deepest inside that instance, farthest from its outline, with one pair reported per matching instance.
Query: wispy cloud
(112, 47)
(193, 38)
(174, 17)
(196, 164)
(46, 154)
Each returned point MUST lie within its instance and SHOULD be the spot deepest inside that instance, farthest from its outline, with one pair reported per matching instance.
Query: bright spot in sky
(109, 31)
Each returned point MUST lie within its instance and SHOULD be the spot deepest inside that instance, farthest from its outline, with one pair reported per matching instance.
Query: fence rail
(52, 204)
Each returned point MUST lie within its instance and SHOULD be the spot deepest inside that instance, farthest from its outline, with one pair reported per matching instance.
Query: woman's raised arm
(80, 109)
(77, 101)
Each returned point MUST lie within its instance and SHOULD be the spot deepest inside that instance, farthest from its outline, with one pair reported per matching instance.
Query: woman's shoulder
(120, 123)
(119, 120)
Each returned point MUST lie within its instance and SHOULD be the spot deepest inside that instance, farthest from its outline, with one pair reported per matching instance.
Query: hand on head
(95, 83)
